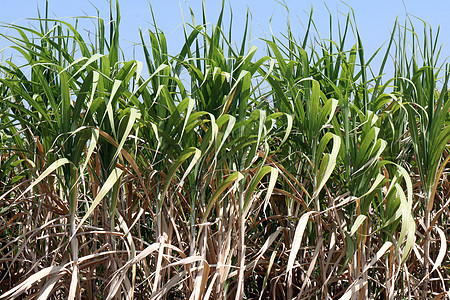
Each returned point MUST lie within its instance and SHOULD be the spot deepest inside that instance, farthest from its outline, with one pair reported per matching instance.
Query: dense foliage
(223, 173)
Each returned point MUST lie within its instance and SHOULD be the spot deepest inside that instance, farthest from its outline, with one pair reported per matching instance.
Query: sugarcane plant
(222, 170)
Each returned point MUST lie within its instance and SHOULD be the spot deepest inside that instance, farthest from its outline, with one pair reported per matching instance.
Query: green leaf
(107, 186)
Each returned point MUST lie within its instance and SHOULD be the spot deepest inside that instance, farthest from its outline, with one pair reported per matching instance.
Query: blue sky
(375, 18)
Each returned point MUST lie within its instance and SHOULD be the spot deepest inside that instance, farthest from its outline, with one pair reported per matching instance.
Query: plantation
(224, 171)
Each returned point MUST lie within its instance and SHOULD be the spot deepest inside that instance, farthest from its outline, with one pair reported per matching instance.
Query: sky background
(375, 19)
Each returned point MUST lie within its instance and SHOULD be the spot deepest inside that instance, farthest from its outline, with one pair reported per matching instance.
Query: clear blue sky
(375, 18)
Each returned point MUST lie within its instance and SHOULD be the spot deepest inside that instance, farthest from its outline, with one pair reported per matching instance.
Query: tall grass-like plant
(291, 172)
